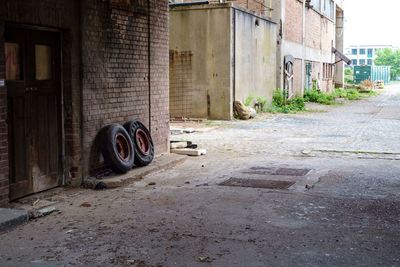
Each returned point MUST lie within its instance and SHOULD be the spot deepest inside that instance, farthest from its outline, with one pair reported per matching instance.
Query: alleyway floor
(342, 206)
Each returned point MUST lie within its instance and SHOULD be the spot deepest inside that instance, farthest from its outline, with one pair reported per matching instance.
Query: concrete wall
(218, 53)
(255, 56)
(200, 42)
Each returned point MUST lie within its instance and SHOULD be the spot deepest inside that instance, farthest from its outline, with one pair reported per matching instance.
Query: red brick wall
(293, 21)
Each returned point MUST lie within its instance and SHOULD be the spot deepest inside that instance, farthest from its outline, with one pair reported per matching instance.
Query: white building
(365, 54)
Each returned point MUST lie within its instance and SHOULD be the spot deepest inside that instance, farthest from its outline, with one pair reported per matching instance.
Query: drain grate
(257, 183)
(278, 171)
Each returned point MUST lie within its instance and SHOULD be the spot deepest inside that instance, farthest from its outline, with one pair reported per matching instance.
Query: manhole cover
(257, 183)
(278, 171)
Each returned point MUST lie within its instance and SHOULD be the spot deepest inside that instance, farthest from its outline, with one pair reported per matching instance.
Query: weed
(249, 100)
(281, 105)
(319, 97)
(208, 123)
(262, 101)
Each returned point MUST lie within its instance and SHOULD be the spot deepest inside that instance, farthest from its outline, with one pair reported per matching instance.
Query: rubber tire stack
(117, 148)
(144, 150)
(126, 146)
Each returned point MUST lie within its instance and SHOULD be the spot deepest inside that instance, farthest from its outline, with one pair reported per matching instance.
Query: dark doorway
(34, 100)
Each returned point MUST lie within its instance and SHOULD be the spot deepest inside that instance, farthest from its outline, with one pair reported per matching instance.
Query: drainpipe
(304, 48)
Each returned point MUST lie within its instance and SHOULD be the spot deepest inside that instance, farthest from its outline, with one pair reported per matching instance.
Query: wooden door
(33, 91)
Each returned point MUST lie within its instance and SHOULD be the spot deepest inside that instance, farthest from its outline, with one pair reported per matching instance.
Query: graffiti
(12, 61)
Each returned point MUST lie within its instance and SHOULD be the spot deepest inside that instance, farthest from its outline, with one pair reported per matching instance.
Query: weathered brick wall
(3, 129)
(63, 15)
(159, 74)
(121, 80)
(293, 21)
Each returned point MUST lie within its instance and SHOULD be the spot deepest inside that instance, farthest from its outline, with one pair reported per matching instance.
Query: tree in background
(387, 57)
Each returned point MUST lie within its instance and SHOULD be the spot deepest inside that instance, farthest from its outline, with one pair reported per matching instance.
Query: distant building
(365, 54)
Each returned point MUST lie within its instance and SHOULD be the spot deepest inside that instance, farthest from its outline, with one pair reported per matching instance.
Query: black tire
(117, 148)
(142, 142)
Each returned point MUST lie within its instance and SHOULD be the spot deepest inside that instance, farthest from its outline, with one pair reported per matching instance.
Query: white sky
(372, 22)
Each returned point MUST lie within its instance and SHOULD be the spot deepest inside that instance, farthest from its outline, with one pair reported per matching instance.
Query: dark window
(362, 51)
(370, 51)
(354, 51)
(362, 61)
(354, 62)
(369, 61)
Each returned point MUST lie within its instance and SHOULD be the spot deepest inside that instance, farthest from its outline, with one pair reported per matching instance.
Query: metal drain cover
(278, 171)
(257, 183)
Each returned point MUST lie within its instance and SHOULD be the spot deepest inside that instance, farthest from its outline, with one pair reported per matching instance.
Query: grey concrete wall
(255, 56)
(200, 41)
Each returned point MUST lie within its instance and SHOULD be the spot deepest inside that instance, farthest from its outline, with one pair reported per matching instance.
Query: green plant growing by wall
(319, 97)
(282, 105)
(249, 100)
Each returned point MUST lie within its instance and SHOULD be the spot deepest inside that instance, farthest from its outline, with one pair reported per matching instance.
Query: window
(354, 51)
(329, 8)
(43, 62)
(13, 61)
(362, 61)
(362, 51)
(370, 51)
(327, 71)
(354, 62)
(369, 61)
(316, 4)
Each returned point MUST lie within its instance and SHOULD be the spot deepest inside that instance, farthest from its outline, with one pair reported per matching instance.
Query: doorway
(33, 77)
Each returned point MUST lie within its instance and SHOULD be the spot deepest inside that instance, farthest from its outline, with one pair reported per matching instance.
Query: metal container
(372, 73)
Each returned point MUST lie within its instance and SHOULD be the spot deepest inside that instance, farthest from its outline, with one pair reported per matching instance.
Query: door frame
(61, 126)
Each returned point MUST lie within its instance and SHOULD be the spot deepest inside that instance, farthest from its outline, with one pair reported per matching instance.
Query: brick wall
(121, 80)
(3, 129)
(293, 21)
(159, 74)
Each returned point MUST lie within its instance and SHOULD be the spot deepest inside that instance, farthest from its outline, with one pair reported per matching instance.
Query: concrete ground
(343, 210)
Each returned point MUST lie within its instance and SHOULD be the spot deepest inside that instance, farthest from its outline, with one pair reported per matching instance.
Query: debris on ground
(189, 151)
(186, 148)
(241, 110)
(33, 214)
(35, 202)
(151, 183)
(205, 259)
(309, 186)
(86, 205)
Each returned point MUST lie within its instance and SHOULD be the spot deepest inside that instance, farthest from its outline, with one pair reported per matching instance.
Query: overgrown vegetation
(282, 105)
(319, 97)
(387, 57)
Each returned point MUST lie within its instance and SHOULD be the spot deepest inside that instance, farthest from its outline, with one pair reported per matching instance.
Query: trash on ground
(86, 205)
(42, 212)
(189, 151)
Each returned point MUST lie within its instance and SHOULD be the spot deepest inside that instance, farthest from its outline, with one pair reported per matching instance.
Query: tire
(142, 142)
(117, 148)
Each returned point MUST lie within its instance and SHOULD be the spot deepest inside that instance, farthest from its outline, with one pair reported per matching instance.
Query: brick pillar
(159, 74)
(3, 126)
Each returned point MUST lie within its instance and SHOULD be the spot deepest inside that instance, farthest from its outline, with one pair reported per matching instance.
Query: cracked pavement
(349, 214)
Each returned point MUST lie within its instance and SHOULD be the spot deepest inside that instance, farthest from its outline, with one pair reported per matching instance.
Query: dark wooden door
(33, 91)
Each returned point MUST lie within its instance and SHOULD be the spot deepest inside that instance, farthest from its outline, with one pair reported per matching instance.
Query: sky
(372, 22)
